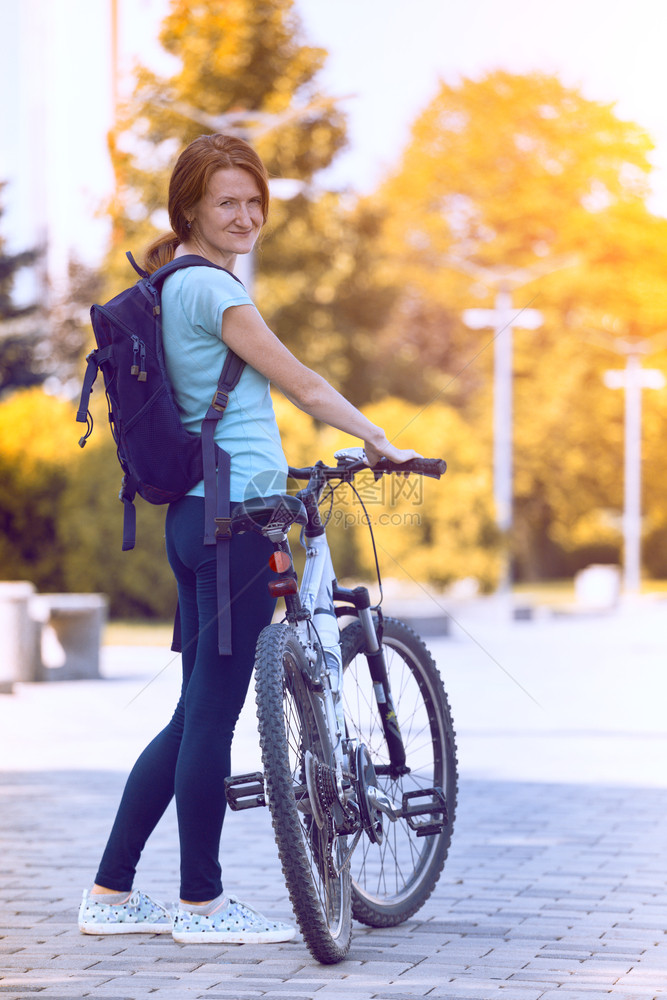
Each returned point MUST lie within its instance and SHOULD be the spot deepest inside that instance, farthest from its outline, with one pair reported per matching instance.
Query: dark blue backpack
(160, 459)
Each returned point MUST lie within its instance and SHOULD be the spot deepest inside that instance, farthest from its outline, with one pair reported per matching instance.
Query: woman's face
(228, 219)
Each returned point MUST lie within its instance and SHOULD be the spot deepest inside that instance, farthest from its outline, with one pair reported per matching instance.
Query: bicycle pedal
(245, 791)
(413, 806)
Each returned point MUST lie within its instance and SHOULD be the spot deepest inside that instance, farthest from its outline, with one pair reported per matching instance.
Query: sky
(390, 55)
(385, 60)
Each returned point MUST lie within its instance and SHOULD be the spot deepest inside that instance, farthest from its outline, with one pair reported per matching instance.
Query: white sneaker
(138, 914)
(232, 922)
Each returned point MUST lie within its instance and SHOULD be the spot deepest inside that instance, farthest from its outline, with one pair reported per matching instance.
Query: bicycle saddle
(257, 512)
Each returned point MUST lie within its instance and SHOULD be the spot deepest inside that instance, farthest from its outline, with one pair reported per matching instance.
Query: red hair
(189, 181)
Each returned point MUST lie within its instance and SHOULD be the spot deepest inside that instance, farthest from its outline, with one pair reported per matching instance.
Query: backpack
(160, 459)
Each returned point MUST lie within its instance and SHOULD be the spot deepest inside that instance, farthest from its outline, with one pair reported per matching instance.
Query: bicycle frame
(315, 603)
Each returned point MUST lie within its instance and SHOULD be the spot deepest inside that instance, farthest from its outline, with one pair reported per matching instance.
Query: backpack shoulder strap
(229, 379)
(217, 467)
(187, 260)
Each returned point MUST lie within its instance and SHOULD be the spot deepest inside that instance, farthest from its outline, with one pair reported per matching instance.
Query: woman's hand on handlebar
(387, 450)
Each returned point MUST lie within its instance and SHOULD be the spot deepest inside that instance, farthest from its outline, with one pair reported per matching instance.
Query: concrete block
(18, 635)
(598, 587)
(71, 634)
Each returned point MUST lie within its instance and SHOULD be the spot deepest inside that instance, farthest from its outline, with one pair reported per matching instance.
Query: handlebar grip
(433, 467)
(294, 473)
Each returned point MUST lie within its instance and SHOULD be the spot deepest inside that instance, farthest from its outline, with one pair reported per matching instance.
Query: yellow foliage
(37, 445)
(36, 429)
(521, 175)
(298, 432)
(425, 530)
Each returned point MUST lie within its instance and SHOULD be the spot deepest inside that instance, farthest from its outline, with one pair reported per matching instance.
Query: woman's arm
(246, 333)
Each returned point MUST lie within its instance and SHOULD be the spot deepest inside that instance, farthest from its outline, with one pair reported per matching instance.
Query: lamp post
(632, 379)
(503, 318)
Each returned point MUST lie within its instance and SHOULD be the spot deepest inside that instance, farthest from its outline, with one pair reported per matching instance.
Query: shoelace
(135, 900)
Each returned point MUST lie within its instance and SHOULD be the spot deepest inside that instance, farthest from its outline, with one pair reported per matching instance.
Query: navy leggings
(190, 758)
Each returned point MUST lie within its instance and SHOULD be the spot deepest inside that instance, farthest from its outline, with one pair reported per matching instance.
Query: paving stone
(536, 976)
(550, 890)
(234, 993)
(481, 989)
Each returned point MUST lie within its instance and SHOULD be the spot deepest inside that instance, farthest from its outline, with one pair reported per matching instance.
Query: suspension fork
(359, 598)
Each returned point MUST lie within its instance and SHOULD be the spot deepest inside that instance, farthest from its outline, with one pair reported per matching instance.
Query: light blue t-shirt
(193, 302)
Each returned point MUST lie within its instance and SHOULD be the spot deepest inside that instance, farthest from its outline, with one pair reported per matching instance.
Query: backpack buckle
(220, 400)
(223, 527)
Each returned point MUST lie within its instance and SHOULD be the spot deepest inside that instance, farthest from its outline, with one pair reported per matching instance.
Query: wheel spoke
(392, 879)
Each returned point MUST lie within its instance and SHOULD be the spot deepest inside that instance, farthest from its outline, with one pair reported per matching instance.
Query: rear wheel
(392, 879)
(299, 787)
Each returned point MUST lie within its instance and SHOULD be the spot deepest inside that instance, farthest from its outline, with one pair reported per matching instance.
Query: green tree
(20, 326)
(68, 331)
(320, 289)
(39, 343)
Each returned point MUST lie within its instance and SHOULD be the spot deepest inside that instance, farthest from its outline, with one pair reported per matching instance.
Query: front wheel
(296, 758)
(392, 879)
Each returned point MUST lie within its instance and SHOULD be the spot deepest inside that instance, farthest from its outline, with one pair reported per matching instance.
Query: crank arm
(382, 802)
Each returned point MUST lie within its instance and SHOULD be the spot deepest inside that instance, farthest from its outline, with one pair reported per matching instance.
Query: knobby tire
(287, 730)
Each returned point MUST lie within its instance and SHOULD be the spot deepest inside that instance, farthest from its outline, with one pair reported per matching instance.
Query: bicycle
(356, 734)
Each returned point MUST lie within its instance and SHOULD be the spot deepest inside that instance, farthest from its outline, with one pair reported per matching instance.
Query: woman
(218, 204)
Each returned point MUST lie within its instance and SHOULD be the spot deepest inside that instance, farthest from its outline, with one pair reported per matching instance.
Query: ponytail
(160, 251)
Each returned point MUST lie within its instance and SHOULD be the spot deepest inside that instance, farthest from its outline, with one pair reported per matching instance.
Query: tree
(35, 442)
(244, 67)
(19, 325)
(431, 533)
(41, 344)
(240, 67)
(321, 291)
(68, 335)
(519, 172)
(511, 168)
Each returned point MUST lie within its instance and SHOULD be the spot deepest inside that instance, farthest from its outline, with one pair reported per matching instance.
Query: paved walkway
(555, 885)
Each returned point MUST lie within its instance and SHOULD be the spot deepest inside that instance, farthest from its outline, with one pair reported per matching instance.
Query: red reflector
(278, 588)
(279, 562)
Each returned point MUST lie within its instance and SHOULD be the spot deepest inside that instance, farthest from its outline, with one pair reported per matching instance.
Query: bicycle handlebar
(432, 467)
